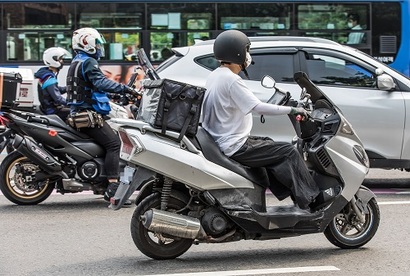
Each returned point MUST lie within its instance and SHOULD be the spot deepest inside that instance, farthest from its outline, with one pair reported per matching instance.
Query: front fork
(360, 200)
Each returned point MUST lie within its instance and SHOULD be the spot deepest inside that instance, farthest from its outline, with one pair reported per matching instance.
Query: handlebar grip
(299, 118)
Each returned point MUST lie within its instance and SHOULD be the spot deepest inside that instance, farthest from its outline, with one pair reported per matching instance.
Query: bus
(29, 27)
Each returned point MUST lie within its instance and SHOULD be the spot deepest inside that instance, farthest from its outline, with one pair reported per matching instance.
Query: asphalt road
(79, 235)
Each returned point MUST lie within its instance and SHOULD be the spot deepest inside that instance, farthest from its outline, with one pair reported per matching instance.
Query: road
(79, 235)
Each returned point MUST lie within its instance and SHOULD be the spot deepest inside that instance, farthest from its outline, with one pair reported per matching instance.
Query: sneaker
(325, 197)
(110, 191)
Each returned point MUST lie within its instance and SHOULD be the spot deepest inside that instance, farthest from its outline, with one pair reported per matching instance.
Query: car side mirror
(268, 82)
(385, 82)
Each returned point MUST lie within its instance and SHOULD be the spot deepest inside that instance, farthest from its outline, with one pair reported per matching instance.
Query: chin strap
(245, 72)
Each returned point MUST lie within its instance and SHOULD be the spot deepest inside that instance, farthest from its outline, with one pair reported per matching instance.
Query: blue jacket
(93, 80)
(49, 92)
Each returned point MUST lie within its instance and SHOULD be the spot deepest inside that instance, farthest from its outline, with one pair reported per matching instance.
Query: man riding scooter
(227, 115)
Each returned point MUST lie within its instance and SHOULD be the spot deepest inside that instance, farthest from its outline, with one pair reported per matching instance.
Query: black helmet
(231, 46)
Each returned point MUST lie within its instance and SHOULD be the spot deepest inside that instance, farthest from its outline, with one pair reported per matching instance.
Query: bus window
(29, 46)
(111, 15)
(343, 23)
(38, 15)
(255, 16)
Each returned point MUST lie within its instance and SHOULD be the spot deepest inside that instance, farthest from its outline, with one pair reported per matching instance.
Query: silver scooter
(190, 192)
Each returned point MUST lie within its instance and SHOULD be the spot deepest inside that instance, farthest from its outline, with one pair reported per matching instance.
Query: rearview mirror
(268, 82)
(385, 82)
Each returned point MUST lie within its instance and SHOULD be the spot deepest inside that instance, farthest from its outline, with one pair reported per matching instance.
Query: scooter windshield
(315, 93)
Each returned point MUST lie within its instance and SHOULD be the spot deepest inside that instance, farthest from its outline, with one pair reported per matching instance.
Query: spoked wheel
(23, 182)
(155, 245)
(348, 232)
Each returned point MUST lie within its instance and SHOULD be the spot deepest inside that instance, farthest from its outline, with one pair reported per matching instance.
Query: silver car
(371, 95)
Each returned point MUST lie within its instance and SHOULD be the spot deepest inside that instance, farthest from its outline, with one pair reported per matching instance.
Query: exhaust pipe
(172, 224)
(29, 148)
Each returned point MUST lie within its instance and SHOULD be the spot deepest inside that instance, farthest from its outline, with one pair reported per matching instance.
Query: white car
(372, 96)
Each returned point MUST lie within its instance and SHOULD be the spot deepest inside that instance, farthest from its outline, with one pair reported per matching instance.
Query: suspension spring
(166, 192)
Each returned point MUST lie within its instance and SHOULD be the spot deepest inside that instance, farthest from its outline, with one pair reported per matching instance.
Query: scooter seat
(212, 153)
(55, 120)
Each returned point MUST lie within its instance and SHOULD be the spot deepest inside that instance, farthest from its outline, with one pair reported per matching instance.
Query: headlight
(361, 155)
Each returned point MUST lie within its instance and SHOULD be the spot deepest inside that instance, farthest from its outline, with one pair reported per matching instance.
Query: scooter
(191, 193)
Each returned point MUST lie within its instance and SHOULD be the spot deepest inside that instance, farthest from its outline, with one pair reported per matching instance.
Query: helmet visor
(100, 50)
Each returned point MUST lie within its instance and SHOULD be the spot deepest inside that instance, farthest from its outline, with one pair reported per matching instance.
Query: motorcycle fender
(126, 189)
(363, 196)
(4, 138)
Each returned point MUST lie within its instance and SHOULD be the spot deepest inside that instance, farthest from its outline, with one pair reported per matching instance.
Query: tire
(345, 230)
(145, 240)
(19, 189)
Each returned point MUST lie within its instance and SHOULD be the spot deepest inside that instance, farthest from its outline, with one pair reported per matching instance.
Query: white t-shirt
(226, 109)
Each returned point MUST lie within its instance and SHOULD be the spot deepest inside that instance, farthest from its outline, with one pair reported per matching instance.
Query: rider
(86, 91)
(227, 115)
(49, 93)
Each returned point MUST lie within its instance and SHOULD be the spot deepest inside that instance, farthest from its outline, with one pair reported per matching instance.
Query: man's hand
(298, 111)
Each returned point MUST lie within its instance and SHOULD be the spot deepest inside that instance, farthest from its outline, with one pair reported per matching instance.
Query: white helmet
(53, 57)
(88, 40)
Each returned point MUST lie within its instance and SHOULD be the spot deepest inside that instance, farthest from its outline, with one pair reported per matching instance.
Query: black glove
(132, 91)
(299, 111)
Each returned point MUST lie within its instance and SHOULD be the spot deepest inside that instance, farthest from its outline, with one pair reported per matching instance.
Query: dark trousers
(284, 165)
(107, 138)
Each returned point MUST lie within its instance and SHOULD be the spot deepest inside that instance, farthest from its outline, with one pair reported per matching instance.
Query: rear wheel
(346, 231)
(155, 245)
(23, 182)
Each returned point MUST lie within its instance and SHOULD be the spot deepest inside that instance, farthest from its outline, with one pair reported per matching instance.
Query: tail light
(130, 145)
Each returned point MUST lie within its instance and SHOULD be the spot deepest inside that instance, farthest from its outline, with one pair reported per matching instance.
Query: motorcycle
(48, 154)
(191, 193)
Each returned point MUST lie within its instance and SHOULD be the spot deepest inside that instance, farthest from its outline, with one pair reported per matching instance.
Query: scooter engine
(88, 170)
(214, 222)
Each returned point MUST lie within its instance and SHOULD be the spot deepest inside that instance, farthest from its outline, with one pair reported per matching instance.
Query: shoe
(110, 191)
(325, 197)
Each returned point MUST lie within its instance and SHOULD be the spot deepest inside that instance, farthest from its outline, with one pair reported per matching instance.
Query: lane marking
(393, 202)
(256, 271)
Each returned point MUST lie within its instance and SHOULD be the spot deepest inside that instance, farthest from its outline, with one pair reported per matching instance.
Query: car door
(279, 63)
(377, 116)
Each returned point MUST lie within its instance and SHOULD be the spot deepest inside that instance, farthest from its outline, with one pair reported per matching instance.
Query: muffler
(29, 148)
(172, 224)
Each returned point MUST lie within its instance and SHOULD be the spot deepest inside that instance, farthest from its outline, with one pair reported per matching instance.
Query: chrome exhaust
(172, 224)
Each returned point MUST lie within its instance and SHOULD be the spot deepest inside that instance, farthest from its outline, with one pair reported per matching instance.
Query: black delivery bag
(171, 105)
(9, 88)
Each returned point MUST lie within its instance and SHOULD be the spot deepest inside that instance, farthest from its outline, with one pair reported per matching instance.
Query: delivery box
(9, 87)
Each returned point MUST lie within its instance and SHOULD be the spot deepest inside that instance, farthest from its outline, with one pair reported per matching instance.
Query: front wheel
(23, 182)
(347, 232)
(155, 245)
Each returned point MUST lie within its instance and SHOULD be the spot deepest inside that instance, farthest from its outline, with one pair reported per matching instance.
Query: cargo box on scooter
(9, 87)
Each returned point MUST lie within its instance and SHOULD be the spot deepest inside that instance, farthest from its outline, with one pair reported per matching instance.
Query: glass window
(38, 15)
(328, 70)
(343, 23)
(121, 45)
(256, 16)
(111, 15)
(29, 46)
(208, 62)
(279, 66)
(186, 16)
